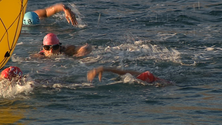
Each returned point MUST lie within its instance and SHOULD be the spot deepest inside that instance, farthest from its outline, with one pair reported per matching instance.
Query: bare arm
(78, 51)
(49, 11)
(70, 50)
(92, 73)
(37, 55)
(83, 50)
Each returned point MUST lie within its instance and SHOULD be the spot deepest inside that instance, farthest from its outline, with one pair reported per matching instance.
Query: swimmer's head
(11, 72)
(147, 77)
(31, 18)
(50, 39)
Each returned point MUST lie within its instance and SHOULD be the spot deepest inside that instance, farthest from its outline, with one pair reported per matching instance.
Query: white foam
(72, 86)
(10, 89)
(143, 50)
(78, 15)
(129, 79)
(210, 48)
(165, 36)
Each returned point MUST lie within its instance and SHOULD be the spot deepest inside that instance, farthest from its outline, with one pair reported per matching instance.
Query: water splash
(140, 50)
(78, 15)
(10, 89)
(129, 79)
(81, 24)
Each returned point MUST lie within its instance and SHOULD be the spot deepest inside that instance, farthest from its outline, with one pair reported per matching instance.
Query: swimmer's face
(50, 50)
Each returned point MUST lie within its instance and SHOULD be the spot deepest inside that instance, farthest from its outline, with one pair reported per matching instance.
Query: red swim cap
(50, 39)
(10, 72)
(147, 77)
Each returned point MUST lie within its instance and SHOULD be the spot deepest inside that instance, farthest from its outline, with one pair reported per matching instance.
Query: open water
(178, 40)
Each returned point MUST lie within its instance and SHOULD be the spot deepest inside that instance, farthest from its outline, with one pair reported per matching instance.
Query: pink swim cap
(10, 72)
(50, 39)
(147, 77)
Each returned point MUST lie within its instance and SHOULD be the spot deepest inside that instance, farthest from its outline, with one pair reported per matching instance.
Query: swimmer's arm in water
(83, 50)
(37, 55)
(99, 70)
(70, 50)
(78, 51)
(49, 11)
(92, 73)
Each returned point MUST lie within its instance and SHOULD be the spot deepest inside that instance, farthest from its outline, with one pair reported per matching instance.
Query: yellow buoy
(11, 19)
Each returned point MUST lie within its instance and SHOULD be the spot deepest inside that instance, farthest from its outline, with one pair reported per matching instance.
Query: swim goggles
(54, 47)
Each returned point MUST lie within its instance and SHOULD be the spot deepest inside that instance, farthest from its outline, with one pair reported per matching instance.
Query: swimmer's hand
(36, 56)
(70, 16)
(92, 73)
(83, 50)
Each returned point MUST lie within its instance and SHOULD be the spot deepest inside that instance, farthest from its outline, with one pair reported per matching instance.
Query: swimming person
(13, 82)
(52, 46)
(32, 18)
(144, 76)
(10, 73)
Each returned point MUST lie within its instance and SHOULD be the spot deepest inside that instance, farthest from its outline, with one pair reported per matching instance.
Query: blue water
(178, 40)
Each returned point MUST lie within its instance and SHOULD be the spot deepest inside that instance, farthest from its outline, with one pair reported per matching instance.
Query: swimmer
(52, 46)
(10, 77)
(32, 18)
(10, 73)
(13, 82)
(144, 76)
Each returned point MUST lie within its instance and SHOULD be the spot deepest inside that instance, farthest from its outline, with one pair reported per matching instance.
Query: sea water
(175, 40)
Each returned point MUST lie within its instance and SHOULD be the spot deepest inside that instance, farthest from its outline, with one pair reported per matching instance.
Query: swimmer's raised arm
(49, 11)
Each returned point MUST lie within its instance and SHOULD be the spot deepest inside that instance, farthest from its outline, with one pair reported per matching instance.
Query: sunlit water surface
(176, 40)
